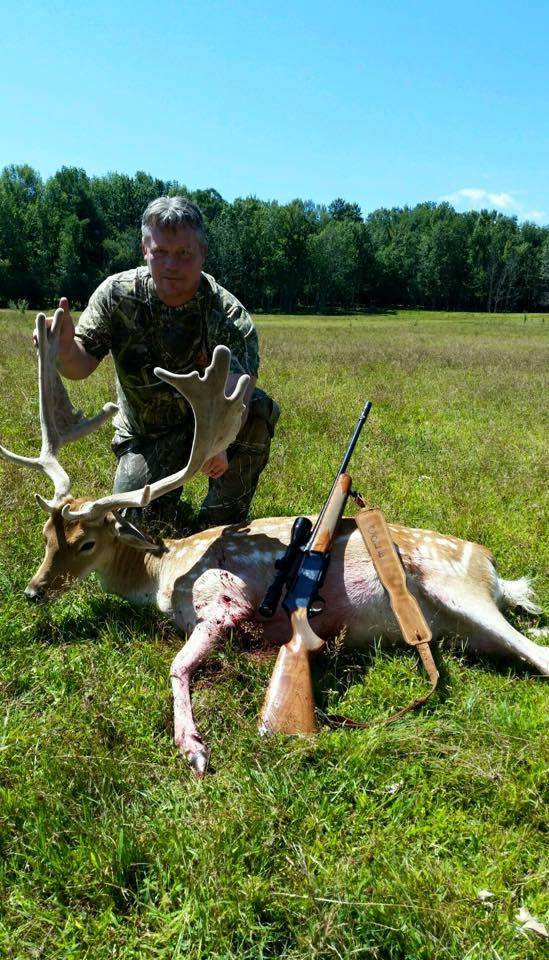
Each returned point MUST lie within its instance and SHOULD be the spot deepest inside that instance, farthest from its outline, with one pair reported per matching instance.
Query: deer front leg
(221, 603)
(198, 647)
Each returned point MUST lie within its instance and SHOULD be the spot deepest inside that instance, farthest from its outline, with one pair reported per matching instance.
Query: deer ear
(128, 533)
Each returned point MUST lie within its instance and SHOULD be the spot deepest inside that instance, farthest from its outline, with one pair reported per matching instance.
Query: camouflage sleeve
(236, 330)
(94, 325)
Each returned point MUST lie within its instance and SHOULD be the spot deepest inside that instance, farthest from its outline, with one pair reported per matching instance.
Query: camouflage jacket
(125, 316)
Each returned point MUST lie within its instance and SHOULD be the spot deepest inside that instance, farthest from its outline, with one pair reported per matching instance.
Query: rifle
(289, 702)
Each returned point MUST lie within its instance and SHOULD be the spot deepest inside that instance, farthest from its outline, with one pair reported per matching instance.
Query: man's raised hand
(73, 361)
(66, 335)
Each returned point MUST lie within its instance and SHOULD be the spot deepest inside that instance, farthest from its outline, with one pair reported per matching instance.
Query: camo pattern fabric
(228, 498)
(125, 316)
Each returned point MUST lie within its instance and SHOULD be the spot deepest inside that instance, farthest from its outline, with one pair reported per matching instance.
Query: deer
(212, 582)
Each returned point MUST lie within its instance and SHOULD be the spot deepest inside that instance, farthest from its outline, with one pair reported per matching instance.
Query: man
(170, 313)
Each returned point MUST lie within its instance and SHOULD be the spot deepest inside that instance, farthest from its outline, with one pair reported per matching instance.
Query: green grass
(353, 844)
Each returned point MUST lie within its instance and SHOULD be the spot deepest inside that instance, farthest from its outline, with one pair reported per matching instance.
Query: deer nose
(33, 594)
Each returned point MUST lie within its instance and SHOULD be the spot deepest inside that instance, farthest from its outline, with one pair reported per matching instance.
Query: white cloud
(504, 201)
(470, 194)
(474, 198)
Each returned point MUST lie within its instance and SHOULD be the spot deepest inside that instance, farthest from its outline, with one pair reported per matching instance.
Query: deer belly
(355, 607)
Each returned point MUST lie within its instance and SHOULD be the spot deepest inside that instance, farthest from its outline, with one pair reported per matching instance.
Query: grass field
(353, 844)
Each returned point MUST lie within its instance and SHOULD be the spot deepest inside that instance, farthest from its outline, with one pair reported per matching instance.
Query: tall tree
(293, 225)
(21, 234)
(442, 272)
(342, 210)
(544, 272)
(395, 238)
(335, 263)
(76, 230)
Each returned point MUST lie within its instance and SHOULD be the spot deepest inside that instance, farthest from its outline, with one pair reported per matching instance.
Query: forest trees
(65, 235)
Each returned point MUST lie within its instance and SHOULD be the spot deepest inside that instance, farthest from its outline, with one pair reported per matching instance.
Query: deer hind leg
(465, 593)
(485, 630)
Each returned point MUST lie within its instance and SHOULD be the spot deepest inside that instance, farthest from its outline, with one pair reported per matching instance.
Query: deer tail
(518, 593)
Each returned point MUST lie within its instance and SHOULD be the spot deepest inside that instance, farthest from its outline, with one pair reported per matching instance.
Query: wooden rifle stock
(289, 703)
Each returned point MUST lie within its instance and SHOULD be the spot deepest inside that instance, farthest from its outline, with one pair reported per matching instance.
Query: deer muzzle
(34, 594)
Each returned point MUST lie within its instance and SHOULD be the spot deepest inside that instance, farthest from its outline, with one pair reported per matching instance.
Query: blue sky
(384, 104)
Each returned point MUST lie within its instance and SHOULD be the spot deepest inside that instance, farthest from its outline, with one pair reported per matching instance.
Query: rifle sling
(414, 629)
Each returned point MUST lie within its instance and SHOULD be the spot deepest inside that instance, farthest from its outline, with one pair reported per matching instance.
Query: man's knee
(254, 440)
(140, 463)
(146, 461)
(131, 472)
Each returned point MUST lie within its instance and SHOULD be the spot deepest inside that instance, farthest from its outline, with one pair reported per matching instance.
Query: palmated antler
(217, 422)
(60, 423)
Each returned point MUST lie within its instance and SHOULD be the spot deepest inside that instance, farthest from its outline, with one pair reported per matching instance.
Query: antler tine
(217, 422)
(63, 424)
(60, 423)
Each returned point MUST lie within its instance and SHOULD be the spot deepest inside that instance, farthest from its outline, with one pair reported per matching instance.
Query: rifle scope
(300, 534)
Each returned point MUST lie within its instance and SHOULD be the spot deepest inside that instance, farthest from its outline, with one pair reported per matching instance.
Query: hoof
(199, 762)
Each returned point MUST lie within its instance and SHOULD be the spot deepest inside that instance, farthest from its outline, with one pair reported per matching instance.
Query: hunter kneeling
(171, 314)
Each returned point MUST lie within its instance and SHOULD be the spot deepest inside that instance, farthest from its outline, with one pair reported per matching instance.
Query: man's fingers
(49, 321)
(214, 473)
(64, 305)
(216, 466)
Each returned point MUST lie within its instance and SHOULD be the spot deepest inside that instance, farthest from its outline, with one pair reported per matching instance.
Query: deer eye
(89, 545)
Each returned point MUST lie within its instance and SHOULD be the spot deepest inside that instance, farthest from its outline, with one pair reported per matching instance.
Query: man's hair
(170, 213)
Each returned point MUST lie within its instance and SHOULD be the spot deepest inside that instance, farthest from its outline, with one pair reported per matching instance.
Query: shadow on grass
(78, 620)
(346, 669)
(497, 664)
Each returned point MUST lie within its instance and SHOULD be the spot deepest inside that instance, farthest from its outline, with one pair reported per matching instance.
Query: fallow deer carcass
(214, 581)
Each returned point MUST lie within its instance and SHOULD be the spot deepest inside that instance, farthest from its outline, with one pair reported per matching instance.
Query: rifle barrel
(344, 464)
(361, 421)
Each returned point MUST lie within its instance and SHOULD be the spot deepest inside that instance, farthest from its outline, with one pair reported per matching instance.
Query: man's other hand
(216, 466)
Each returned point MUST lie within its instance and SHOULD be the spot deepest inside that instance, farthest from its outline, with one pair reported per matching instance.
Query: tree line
(64, 235)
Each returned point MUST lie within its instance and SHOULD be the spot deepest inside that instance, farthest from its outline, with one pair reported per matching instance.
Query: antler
(60, 423)
(217, 422)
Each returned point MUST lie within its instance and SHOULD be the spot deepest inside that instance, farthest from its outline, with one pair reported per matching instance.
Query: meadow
(377, 843)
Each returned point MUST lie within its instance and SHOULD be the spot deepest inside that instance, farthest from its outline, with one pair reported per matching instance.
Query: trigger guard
(317, 607)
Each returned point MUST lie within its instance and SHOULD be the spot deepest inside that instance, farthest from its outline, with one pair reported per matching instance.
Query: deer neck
(131, 572)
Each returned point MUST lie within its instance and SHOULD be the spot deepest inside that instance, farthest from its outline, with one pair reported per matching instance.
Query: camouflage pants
(142, 461)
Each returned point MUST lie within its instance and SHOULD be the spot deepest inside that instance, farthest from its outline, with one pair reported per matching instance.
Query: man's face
(175, 262)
